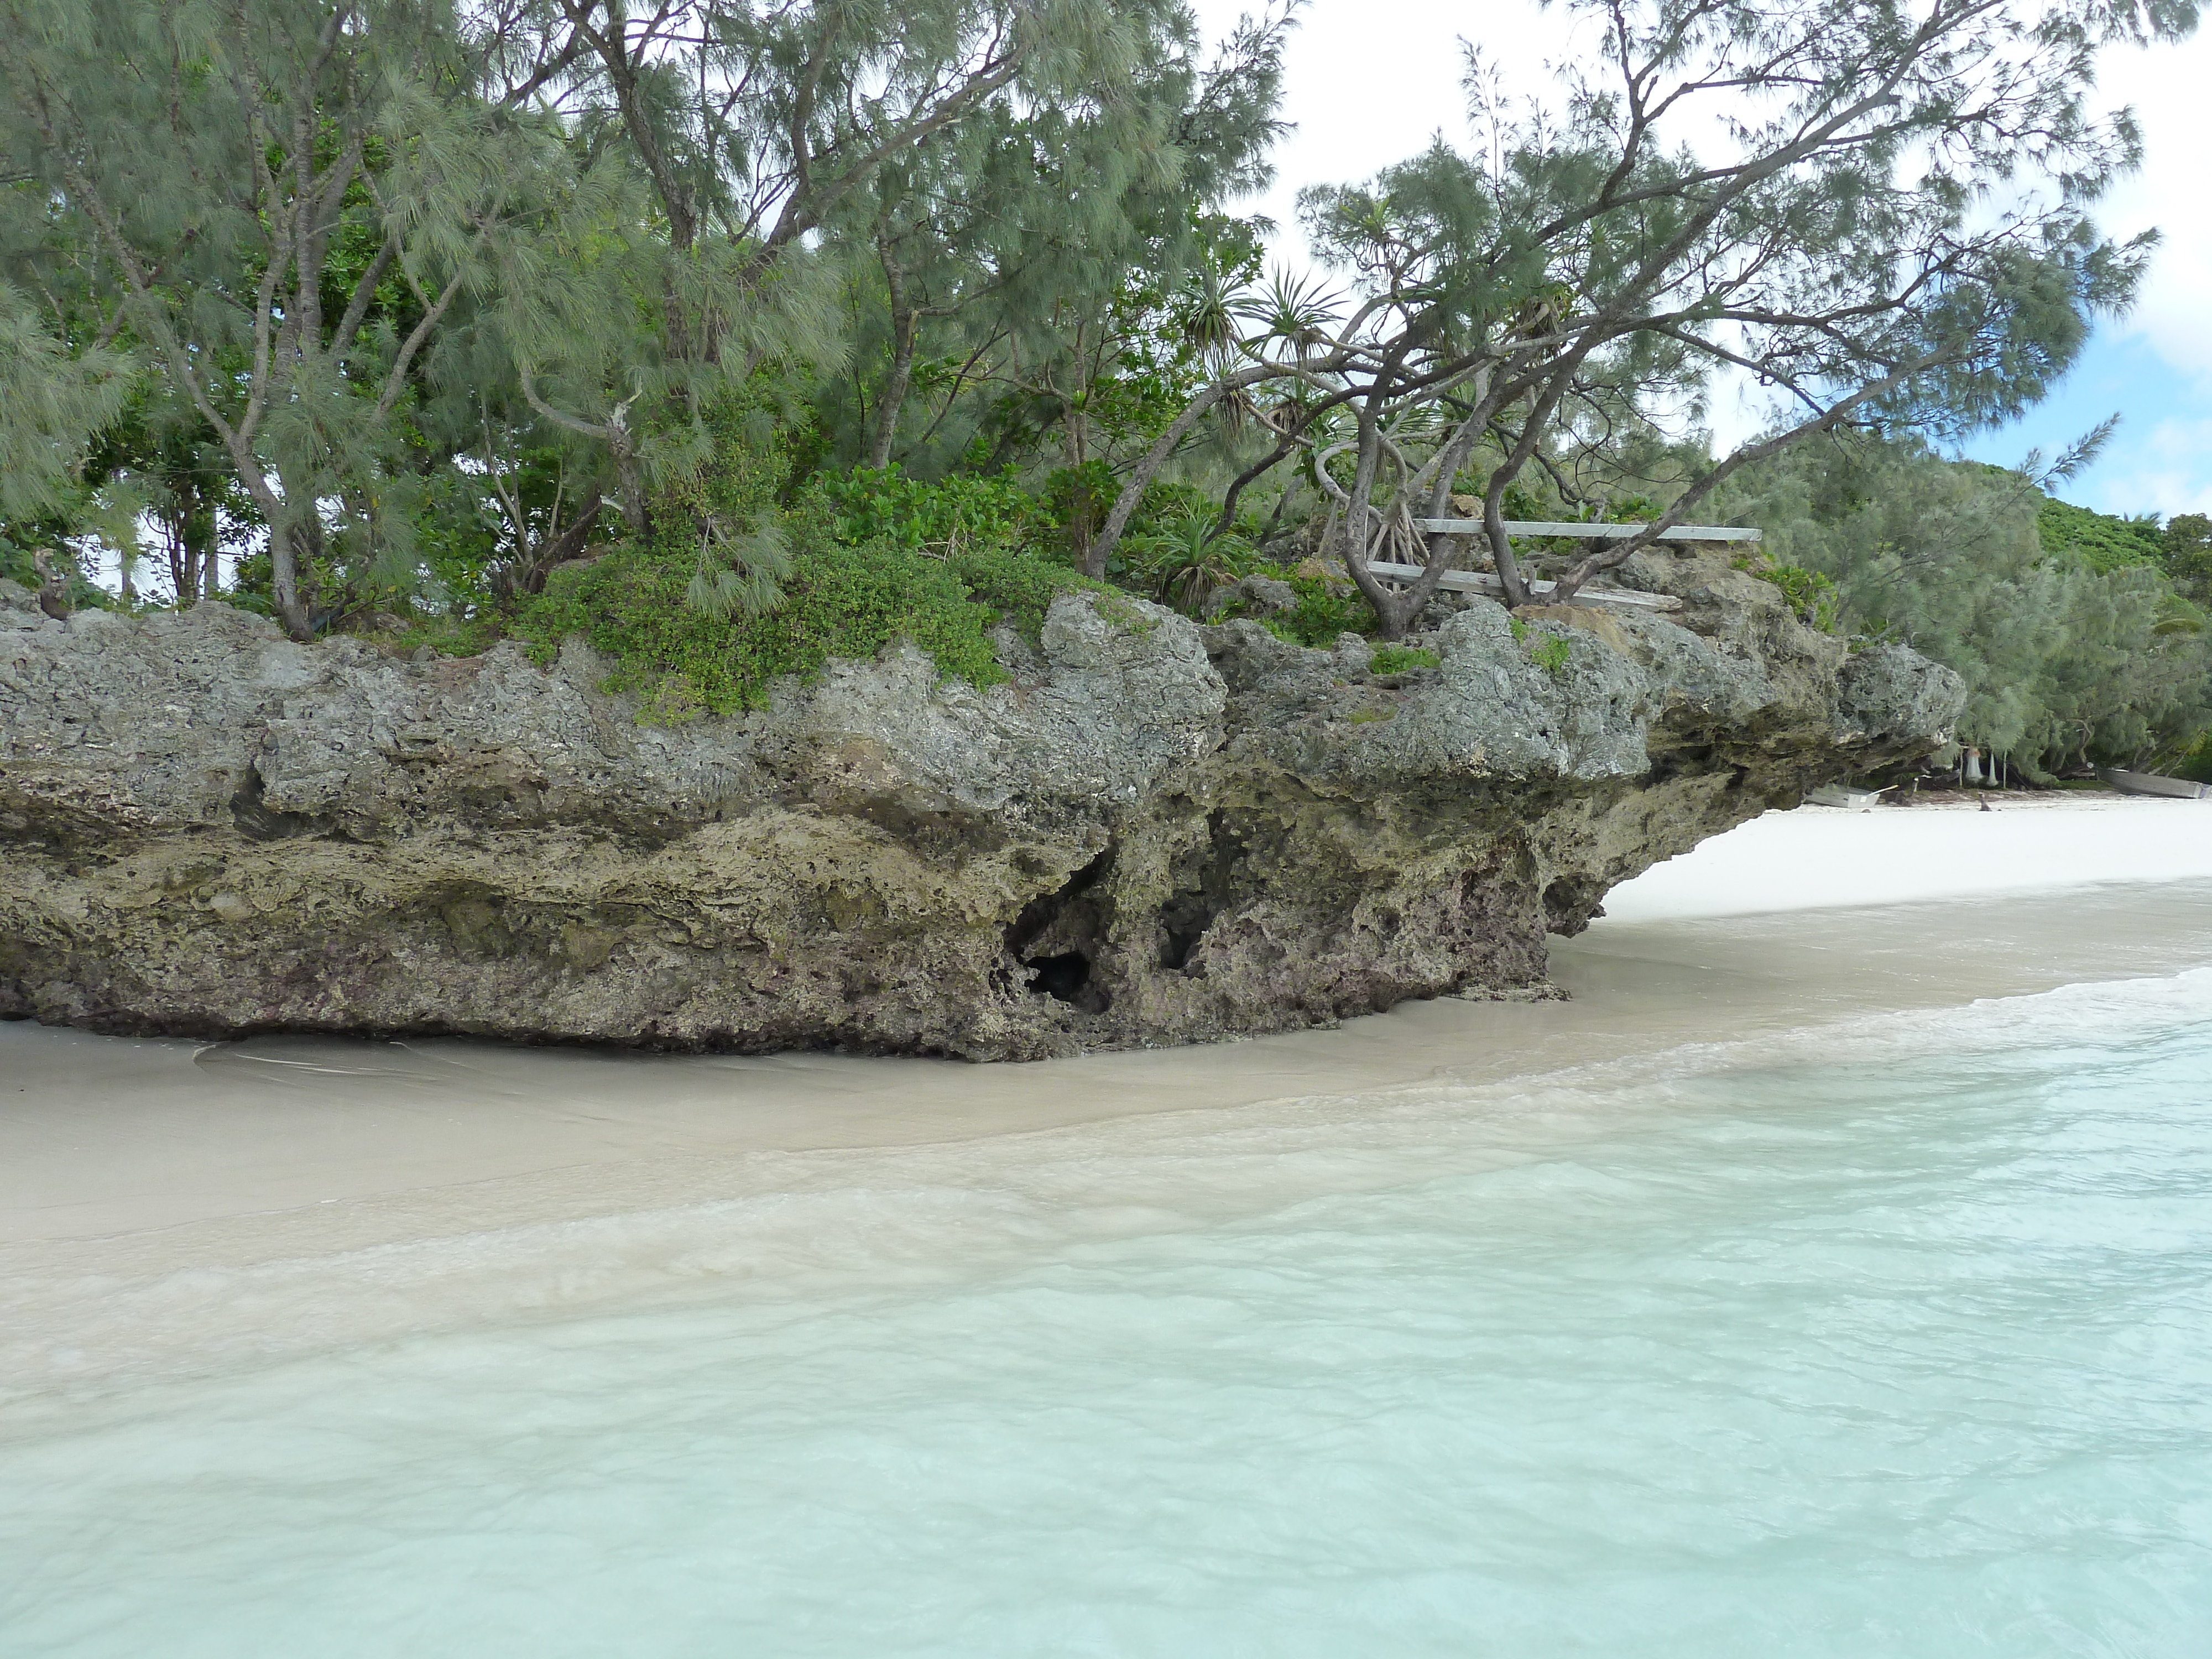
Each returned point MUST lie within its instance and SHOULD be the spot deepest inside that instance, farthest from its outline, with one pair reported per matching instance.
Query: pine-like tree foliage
(1798, 193)
(279, 204)
(2067, 657)
(421, 304)
(52, 400)
(439, 274)
(784, 150)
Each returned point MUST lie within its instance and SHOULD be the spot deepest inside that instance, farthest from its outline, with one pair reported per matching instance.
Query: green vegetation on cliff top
(740, 338)
(858, 563)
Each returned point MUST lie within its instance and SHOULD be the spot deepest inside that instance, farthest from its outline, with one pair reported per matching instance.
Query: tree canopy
(2070, 655)
(442, 320)
(1838, 242)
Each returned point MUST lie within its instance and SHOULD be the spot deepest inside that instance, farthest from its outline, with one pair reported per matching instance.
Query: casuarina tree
(772, 140)
(277, 203)
(1878, 214)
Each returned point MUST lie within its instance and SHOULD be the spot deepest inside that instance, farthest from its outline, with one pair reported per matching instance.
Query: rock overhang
(1153, 832)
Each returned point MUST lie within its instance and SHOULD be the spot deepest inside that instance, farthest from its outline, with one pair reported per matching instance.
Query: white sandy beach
(139, 1179)
(1824, 858)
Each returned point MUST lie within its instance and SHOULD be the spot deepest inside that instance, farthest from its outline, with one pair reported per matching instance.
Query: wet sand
(125, 1163)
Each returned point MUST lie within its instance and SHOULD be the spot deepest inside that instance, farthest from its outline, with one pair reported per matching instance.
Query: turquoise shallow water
(1896, 1340)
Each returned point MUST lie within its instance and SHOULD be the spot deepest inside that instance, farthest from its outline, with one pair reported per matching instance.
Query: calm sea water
(1894, 1340)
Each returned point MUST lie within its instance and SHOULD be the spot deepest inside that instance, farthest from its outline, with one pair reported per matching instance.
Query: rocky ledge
(1157, 833)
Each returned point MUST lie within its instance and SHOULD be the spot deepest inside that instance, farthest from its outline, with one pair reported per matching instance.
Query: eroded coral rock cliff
(1157, 833)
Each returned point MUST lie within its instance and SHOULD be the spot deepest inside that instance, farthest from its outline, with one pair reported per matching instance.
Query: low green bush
(838, 600)
(1812, 595)
(862, 560)
(1021, 585)
(1321, 615)
(1401, 659)
(870, 505)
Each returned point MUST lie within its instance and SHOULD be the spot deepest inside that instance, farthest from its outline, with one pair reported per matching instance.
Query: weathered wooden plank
(1681, 532)
(1481, 581)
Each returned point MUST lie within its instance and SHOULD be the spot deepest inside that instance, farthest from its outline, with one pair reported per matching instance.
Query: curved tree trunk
(1149, 464)
(285, 547)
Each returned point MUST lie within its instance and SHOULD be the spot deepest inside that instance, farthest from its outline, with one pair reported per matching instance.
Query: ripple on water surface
(1898, 1344)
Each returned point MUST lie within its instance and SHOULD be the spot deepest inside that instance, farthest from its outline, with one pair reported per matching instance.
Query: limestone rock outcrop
(1157, 833)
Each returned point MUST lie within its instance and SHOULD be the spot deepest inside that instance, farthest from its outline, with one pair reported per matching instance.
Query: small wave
(1888, 1338)
(791, 1226)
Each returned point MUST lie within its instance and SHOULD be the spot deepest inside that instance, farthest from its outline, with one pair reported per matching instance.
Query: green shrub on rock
(1812, 594)
(837, 601)
(1021, 586)
(1400, 660)
(951, 516)
(1321, 613)
(1552, 655)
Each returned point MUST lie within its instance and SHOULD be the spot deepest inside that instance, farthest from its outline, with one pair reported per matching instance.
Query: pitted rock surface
(1157, 833)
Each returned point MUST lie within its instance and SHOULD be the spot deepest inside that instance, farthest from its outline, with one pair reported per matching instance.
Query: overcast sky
(1371, 81)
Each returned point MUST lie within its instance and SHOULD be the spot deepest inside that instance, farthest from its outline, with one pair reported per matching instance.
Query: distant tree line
(738, 334)
(2083, 637)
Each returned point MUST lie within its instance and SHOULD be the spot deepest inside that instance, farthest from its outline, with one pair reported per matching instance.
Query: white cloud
(2162, 471)
(1369, 84)
(2166, 87)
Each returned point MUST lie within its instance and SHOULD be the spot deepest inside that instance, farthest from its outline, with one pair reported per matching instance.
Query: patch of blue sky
(2159, 460)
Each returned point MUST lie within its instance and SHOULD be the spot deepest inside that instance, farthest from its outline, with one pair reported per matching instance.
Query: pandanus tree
(1885, 221)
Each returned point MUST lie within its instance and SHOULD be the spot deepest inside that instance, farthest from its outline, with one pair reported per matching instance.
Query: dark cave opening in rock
(1062, 977)
(1206, 884)
(1057, 934)
(1183, 921)
(1040, 914)
(257, 821)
